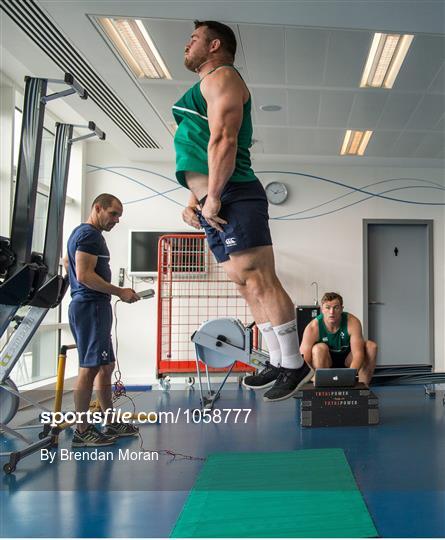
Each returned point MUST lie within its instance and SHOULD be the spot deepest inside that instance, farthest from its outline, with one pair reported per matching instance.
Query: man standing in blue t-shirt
(90, 315)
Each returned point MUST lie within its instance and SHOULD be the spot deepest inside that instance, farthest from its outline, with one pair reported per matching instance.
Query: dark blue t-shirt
(88, 239)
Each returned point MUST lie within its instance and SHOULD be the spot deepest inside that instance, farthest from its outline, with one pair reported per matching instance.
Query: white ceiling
(307, 57)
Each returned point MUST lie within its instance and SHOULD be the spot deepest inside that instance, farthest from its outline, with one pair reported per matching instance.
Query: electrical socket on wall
(121, 277)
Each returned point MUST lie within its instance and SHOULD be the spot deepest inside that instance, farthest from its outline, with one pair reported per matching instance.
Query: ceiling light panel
(355, 143)
(40, 29)
(135, 47)
(385, 58)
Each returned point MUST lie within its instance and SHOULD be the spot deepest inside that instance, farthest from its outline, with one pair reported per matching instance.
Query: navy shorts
(90, 323)
(338, 358)
(245, 208)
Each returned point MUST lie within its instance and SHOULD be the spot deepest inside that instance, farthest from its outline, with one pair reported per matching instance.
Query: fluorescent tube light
(135, 47)
(385, 59)
(355, 142)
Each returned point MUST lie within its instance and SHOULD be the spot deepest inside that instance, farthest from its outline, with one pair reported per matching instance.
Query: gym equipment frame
(31, 279)
(220, 343)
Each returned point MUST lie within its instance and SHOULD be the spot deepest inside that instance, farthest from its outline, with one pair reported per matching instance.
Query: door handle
(374, 303)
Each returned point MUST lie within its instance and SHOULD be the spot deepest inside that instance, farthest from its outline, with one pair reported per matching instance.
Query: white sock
(273, 345)
(289, 345)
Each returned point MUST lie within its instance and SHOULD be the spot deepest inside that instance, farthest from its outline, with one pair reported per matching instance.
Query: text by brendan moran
(64, 454)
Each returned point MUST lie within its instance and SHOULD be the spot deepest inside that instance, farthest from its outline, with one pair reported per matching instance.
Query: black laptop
(329, 377)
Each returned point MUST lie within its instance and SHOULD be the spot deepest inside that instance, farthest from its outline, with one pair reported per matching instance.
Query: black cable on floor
(120, 391)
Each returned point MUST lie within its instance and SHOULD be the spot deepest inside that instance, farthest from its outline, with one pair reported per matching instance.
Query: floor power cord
(119, 392)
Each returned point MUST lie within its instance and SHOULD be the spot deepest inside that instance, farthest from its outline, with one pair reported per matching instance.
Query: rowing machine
(221, 343)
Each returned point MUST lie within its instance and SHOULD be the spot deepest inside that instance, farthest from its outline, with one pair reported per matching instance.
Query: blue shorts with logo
(245, 208)
(90, 324)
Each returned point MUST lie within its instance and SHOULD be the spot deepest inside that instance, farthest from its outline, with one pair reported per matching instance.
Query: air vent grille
(42, 31)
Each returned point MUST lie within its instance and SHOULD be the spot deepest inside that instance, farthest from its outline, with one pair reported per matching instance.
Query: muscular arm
(310, 337)
(224, 93)
(357, 342)
(86, 275)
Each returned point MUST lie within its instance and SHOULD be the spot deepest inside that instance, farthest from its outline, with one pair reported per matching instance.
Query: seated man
(334, 339)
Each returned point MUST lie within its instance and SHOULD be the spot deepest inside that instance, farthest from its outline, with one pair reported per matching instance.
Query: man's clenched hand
(190, 217)
(128, 296)
(210, 211)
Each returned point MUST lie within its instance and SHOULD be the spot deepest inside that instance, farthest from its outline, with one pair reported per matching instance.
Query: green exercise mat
(306, 493)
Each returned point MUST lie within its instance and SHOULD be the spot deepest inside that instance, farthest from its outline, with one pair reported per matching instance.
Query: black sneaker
(265, 378)
(288, 383)
(121, 429)
(91, 437)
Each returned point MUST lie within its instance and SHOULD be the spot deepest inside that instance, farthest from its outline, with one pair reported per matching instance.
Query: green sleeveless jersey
(193, 134)
(338, 341)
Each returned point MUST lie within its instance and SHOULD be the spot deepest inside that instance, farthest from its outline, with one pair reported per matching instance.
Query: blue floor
(399, 466)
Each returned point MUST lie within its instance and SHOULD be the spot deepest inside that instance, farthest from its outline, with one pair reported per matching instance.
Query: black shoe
(121, 429)
(265, 378)
(91, 437)
(288, 383)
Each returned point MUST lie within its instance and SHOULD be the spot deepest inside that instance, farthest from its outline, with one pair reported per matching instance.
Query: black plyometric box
(305, 314)
(329, 407)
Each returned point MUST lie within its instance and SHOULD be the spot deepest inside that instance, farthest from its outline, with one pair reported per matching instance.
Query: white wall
(329, 249)
(326, 249)
(137, 322)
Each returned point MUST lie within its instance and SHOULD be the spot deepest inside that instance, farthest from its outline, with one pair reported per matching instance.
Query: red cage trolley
(192, 288)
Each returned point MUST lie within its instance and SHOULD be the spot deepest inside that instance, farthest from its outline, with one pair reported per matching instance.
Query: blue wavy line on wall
(353, 190)
(366, 198)
(290, 217)
(95, 168)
